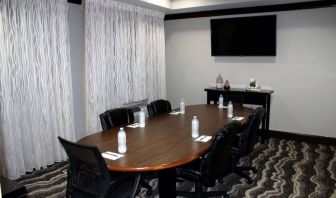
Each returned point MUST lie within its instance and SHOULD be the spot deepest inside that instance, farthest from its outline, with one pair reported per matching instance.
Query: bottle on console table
(219, 82)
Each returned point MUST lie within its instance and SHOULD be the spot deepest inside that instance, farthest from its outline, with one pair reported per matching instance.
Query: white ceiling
(184, 6)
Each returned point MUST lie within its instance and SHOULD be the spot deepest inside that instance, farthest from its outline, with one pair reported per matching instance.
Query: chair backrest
(249, 131)
(158, 106)
(88, 174)
(217, 162)
(116, 117)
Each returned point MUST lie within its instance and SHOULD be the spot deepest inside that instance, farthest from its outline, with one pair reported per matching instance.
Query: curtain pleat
(35, 84)
(125, 56)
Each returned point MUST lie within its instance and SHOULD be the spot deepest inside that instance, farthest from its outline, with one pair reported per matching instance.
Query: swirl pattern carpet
(286, 168)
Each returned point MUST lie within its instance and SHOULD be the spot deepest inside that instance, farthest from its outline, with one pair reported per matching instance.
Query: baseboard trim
(315, 139)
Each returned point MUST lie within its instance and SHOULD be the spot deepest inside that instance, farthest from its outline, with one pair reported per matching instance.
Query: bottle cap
(195, 116)
(121, 128)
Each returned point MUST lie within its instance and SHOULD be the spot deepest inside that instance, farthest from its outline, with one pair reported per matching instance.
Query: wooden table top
(166, 140)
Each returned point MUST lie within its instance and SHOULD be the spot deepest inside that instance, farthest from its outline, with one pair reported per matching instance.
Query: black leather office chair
(88, 176)
(116, 117)
(158, 106)
(214, 165)
(246, 140)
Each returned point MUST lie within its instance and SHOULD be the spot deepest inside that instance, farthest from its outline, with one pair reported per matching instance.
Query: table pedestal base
(167, 183)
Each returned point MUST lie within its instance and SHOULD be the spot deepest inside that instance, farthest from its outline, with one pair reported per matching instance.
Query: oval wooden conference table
(165, 143)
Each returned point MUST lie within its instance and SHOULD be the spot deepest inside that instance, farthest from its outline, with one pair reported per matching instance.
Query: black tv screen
(244, 36)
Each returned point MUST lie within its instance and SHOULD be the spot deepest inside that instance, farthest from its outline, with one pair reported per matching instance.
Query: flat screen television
(244, 36)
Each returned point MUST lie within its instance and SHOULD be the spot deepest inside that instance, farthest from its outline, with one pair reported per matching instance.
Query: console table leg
(263, 126)
(267, 116)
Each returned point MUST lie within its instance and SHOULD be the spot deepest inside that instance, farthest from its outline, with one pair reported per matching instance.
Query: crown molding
(256, 9)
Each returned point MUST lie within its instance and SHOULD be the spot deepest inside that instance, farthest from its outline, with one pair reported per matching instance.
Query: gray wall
(76, 28)
(303, 74)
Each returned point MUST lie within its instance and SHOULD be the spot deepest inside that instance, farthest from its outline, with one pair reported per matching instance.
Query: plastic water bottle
(194, 127)
(220, 101)
(230, 110)
(182, 106)
(122, 141)
(142, 118)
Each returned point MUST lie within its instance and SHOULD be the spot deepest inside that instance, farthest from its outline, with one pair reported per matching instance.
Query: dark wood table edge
(157, 167)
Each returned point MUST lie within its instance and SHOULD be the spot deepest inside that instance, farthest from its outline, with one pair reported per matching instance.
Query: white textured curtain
(125, 56)
(35, 84)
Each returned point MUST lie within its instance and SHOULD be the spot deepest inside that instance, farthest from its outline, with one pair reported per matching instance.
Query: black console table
(242, 96)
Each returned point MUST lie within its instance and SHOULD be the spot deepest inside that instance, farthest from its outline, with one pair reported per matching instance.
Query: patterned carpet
(49, 182)
(285, 169)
